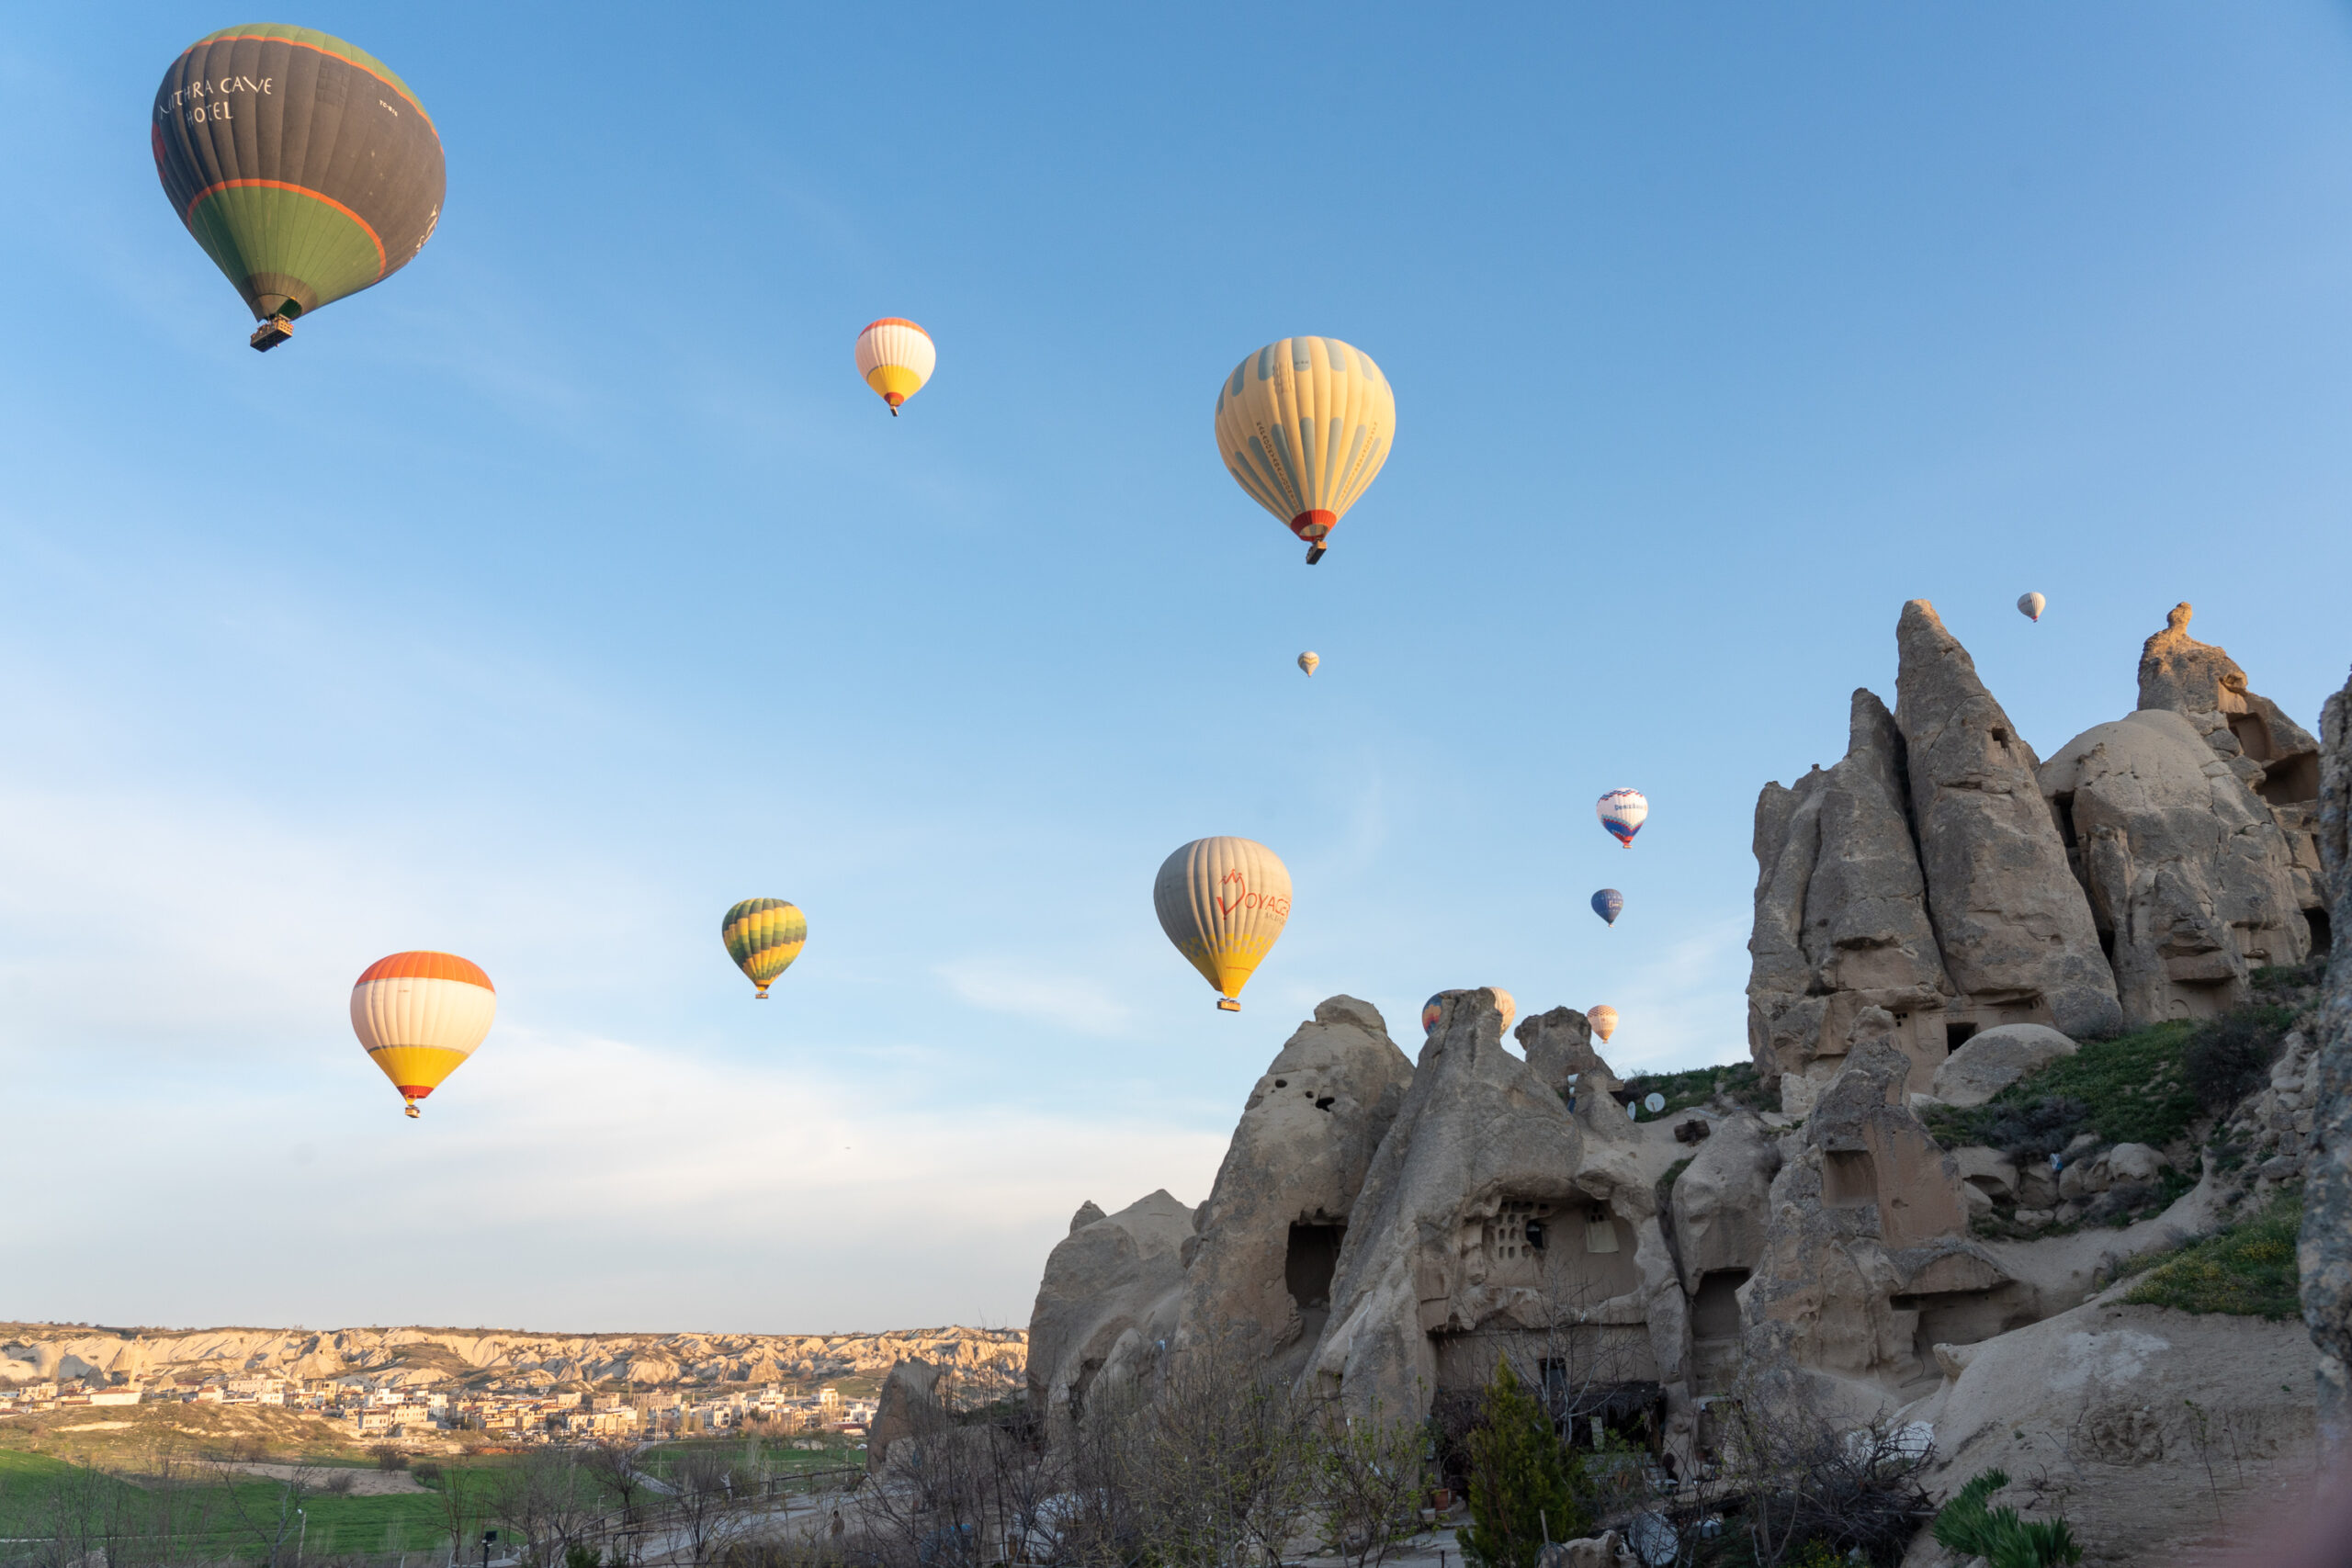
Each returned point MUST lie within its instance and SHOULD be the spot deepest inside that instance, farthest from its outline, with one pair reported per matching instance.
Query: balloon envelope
(1623, 812)
(1604, 1019)
(1609, 904)
(2030, 605)
(896, 357)
(419, 1016)
(1308, 662)
(1223, 902)
(1304, 425)
(763, 936)
(301, 164)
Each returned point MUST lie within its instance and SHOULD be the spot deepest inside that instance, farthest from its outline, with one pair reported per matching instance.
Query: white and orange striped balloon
(896, 357)
(1223, 902)
(420, 1015)
(1603, 1019)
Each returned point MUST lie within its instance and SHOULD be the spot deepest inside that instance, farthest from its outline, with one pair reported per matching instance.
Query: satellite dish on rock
(1654, 1103)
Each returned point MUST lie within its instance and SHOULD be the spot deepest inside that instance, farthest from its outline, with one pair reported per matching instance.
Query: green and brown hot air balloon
(763, 936)
(302, 165)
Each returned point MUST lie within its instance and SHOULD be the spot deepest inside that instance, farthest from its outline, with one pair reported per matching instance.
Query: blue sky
(568, 587)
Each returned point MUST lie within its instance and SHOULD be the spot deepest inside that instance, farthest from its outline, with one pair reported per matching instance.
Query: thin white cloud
(617, 1183)
(1085, 1006)
(1674, 1009)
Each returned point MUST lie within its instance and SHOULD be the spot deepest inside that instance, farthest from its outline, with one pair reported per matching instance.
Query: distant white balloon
(1308, 662)
(2030, 605)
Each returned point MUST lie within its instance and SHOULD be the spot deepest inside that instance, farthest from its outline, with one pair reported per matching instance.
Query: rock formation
(1941, 872)
(1720, 1206)
(2190, 877)
(2326, 1253)
(1938, 916)
(1842, 913)
(2016, 931)
(1269, 1235)
(2119, 1408)
(1866, 1262)
(1991, 1061)
(1558, 1048)
(1493, 1217)
(1108, 1301)
(908, 1402)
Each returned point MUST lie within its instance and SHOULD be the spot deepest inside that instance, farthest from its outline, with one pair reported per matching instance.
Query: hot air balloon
(896, 357)
(1604, 1019)
(763, 936)
(1223, 902)
(2030, 605)
(1609, 904)
(301, 164)
(1623, 812)
(420, 1015)
(1308, 662)
(1503, 1004)
(1304, 425)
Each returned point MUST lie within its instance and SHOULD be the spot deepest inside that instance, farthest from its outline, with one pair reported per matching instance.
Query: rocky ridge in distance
(423, 1357)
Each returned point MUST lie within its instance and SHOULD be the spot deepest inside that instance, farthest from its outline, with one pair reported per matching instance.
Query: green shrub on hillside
(2130, 1090)
(1736, 1081)
(2246, 1269)
(2230, 1057)
(1967, 1527)
(2311, 971)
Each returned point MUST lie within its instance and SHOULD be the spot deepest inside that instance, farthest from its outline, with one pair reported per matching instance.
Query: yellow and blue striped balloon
(1304, 425)
(763, 936)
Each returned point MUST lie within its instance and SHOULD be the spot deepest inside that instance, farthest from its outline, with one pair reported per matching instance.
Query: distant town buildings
(397, 1409)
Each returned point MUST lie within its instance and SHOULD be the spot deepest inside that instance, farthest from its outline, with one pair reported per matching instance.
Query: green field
(198, 1513)
(164, 1503)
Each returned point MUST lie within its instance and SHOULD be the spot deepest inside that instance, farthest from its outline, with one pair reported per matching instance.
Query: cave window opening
(1325, 1103)
(1313, 1259)
(1599, 1231)
(2253, 735)
(1849, 1178)
(2322, 933)
(1956, 1035)
(2292, 782)
(2062, 807)
(1714, 1311)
